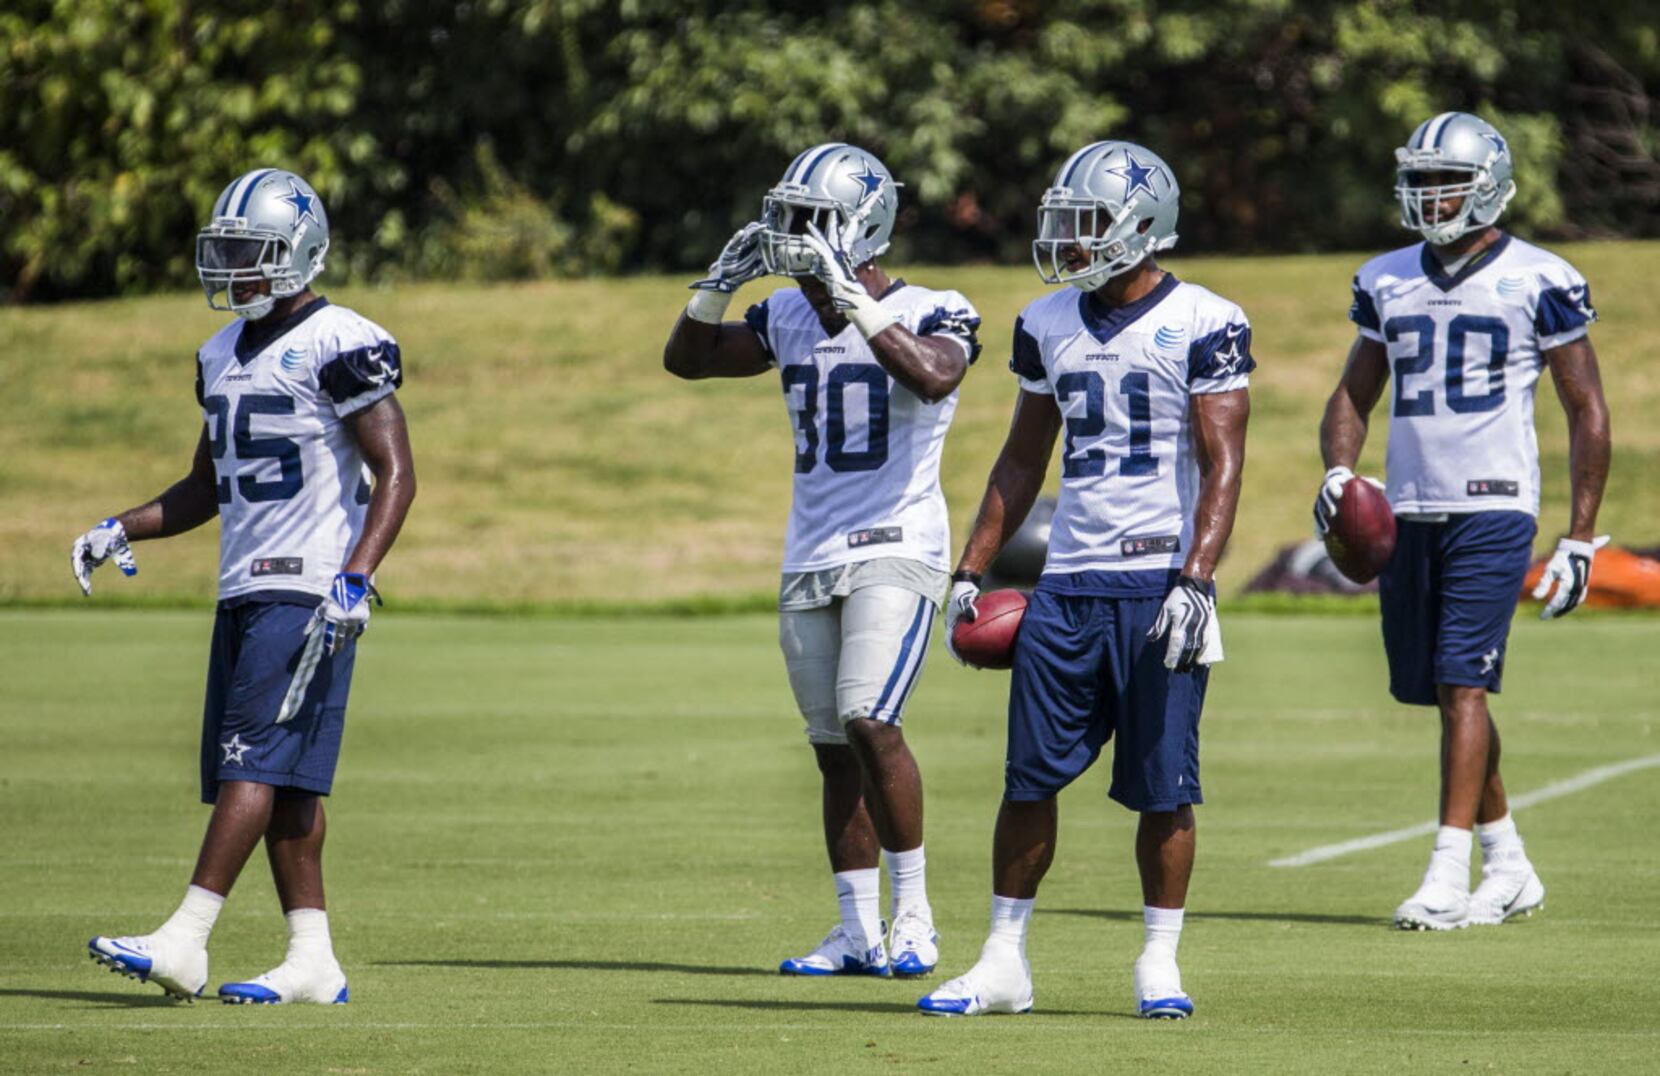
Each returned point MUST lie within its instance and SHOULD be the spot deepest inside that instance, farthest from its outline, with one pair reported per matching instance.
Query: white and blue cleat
(1158, 989)
(289, 983)
(913, 946)
(1437, 905)
(1001, 982)
(839, 954)
(178, 968)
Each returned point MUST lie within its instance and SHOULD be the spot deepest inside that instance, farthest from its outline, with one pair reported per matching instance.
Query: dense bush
(490, 139)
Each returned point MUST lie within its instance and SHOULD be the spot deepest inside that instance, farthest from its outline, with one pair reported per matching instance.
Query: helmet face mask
(828, 186)
(782, 250)
(1112, 204)
(1453, 177)
(245, 256)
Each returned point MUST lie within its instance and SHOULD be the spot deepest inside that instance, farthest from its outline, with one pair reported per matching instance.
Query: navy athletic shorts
(1448, 595)
(257, 644)
(1085, 672)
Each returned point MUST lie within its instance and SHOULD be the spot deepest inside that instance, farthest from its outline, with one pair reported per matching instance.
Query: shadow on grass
(1246, 917)
(575, 965)
(100, 998)
(896, 1007)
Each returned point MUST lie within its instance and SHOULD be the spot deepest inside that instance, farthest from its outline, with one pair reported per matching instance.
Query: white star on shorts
(235, 748)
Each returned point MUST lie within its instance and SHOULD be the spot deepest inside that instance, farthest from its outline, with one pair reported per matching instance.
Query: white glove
(1570, 570)
(344, 614)
(836, 270)
(1189, 615)
(959, 606)
(739, 263)
(108, 539)
(1331, 492)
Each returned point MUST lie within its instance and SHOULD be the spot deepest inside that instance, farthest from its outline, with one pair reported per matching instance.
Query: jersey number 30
(804, 376)
(291, 476)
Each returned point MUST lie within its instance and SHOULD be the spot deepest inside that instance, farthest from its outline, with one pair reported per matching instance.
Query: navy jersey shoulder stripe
(1026, 358)
(352, 373)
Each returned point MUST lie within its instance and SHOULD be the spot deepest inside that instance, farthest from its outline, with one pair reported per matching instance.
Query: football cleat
(290, 982)
(178, 968)
(914, 945)
(1436, 906)
(1000, 982)
(839, 954)
(1509, 889)
(1158, 990)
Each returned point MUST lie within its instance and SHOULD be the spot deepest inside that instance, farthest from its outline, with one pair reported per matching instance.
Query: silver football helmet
(1453, 142)
(829, 186)
(1111, 205)
(268, 226)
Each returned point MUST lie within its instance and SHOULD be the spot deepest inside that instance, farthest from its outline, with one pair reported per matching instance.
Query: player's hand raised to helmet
(739, 261)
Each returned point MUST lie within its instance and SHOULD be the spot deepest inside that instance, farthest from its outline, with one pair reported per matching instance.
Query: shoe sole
(1407, 922)
(1019, 1010)
(1518, 913)
(119, 966)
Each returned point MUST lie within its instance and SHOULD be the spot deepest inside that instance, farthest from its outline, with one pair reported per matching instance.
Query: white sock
(1010, 917)
(308, 937)
(1498, 838)
(1164, 930)
(907, 881)
(859, 894)
(1450, 862)
(196, 915)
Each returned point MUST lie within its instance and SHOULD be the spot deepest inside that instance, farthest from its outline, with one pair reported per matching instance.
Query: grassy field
(558, 462)
(583, 846)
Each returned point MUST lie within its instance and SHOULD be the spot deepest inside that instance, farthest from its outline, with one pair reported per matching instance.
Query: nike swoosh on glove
(1570, 571)
(1189, 616)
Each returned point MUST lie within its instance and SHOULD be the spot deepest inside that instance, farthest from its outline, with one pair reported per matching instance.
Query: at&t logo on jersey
(292, 359)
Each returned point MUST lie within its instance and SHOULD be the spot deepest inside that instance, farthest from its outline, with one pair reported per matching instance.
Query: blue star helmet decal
(1497, 140)
(301, 202)
(871, 179)
(1136, 176)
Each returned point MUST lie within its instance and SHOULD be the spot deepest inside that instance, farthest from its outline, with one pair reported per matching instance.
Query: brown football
(1362, 535)
(987, 641)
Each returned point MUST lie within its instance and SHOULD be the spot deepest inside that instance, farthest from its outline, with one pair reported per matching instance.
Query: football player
(868, 367)
(304, 457)
(1145, 379)
(1465, 322)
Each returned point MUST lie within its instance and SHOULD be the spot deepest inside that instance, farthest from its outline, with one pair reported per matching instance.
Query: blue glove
(344, 614)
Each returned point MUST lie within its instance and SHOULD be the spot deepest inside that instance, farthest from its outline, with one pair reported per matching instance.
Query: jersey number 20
(1459, 330)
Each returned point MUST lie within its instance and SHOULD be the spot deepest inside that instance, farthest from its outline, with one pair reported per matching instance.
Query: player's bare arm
(382, 436)
(1349, 411)
(1219, 421)
(1573, 367)
(930, 367)
(183, 506)
(702, 345)
(1016, 479)
(697, 349)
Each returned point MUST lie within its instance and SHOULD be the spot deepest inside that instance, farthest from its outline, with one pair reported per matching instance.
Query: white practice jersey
(293, 488)
(867, 449)
(1465, 353)
(1124, 378)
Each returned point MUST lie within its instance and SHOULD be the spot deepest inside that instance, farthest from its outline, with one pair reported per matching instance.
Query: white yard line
(1573, 784)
